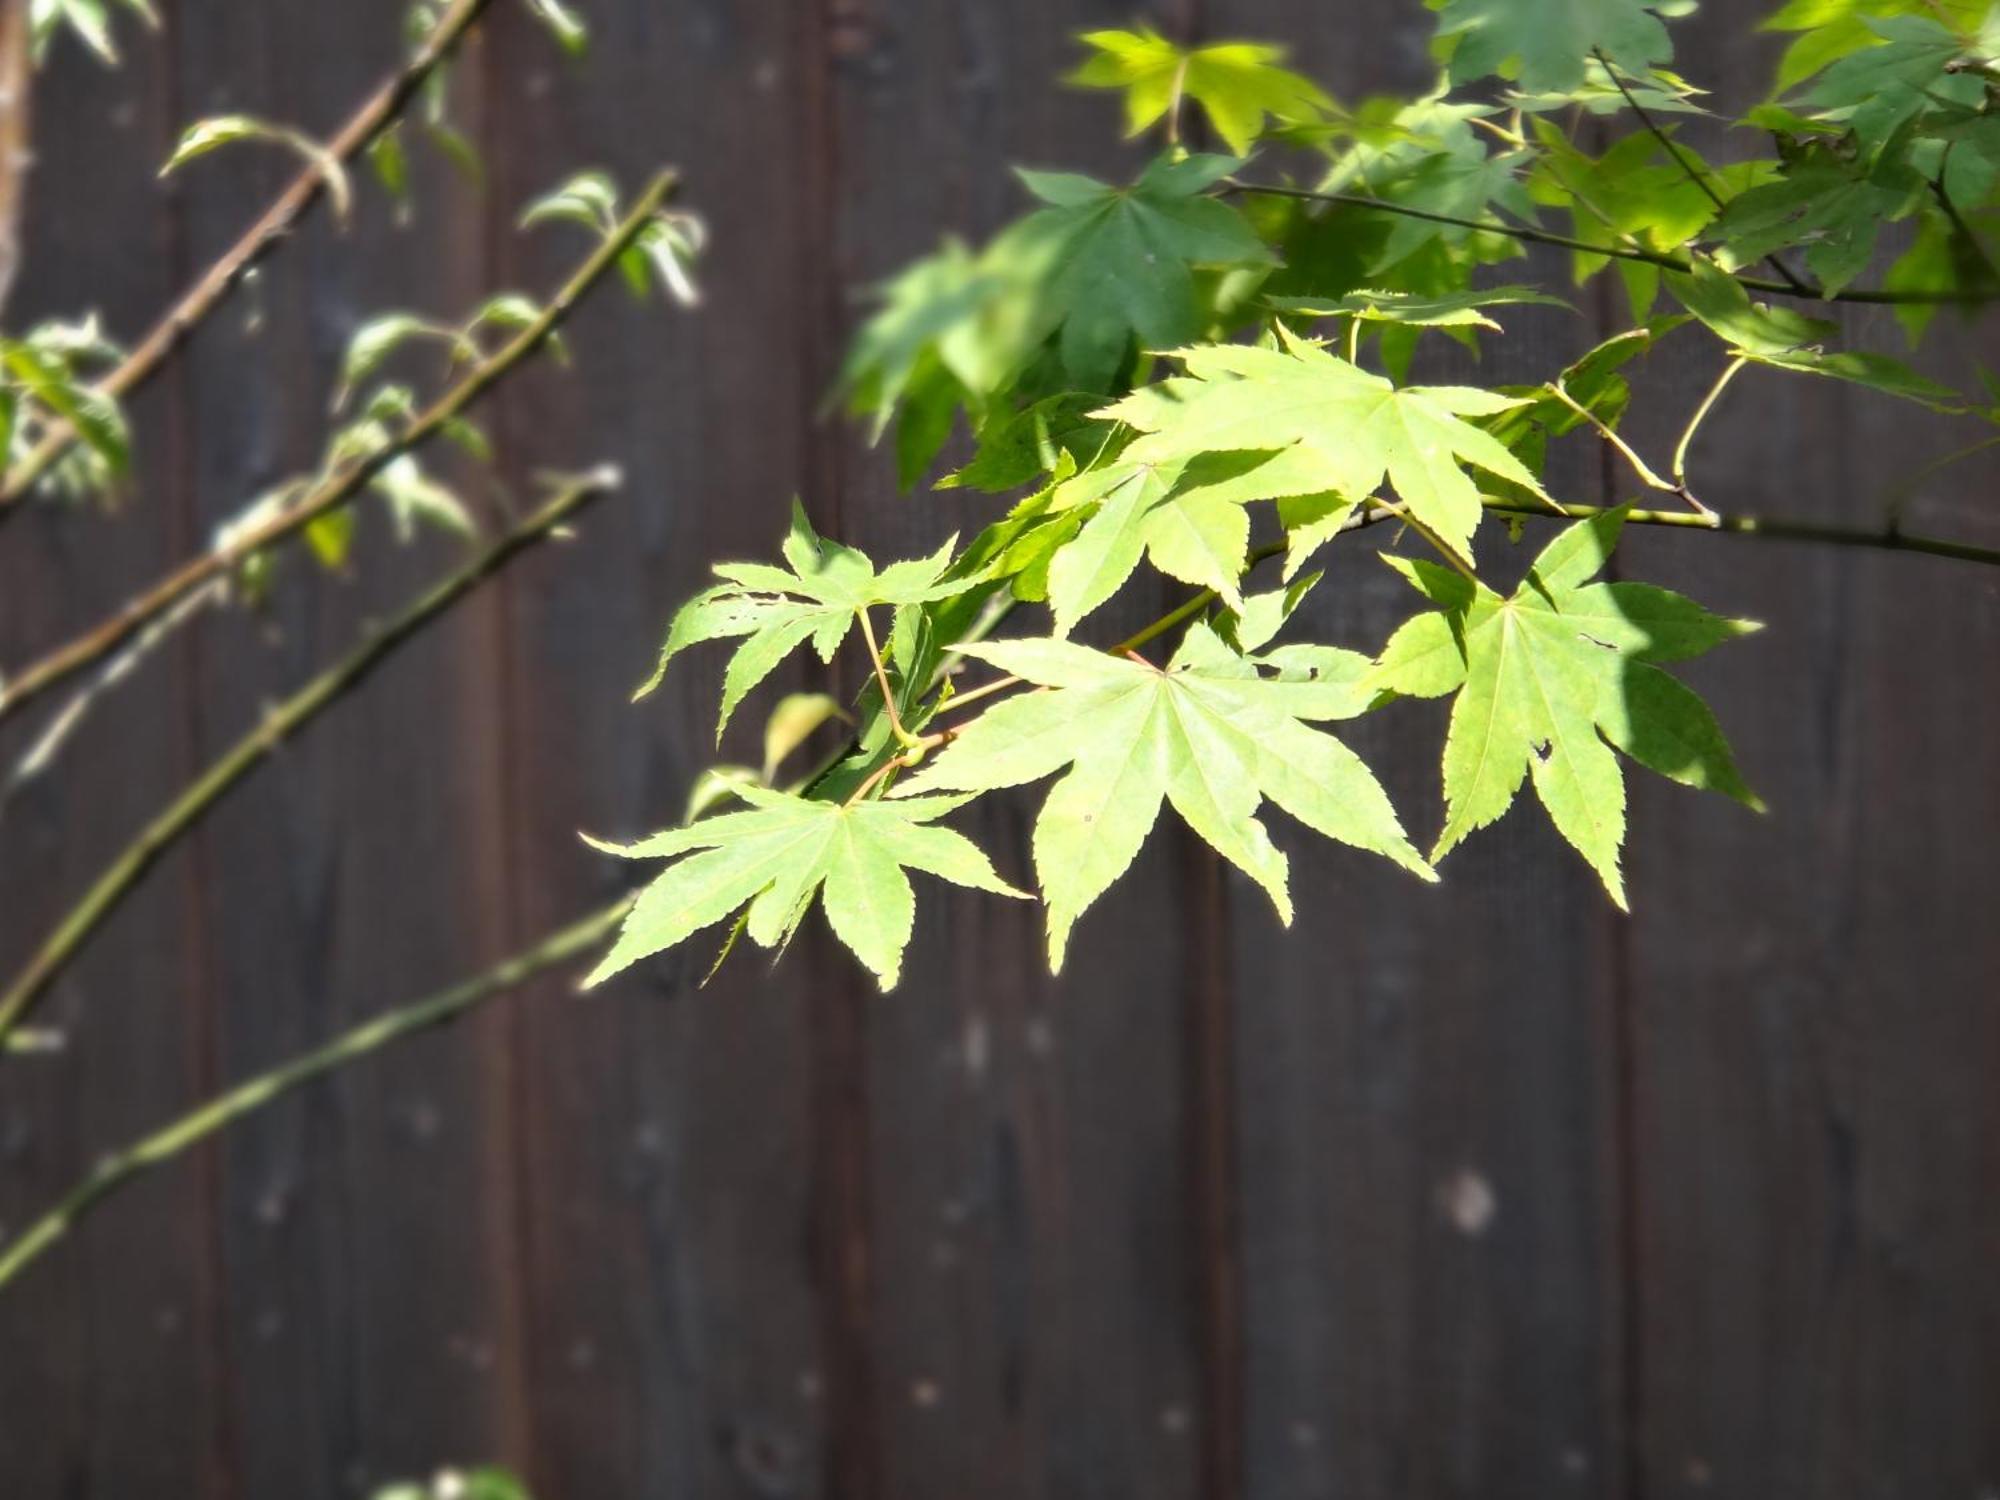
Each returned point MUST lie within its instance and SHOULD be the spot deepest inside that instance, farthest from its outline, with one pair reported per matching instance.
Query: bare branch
(125, 872)
(163, 1145)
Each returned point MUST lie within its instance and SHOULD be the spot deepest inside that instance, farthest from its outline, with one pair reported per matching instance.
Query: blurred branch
(380, 110)
(1527, 234)
(114, 1171)
(100, 641)
(288, 718)
(57, 733)
(17, 76)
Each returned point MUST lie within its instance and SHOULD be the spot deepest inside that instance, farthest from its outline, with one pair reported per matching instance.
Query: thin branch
(281, 723)
(49, 744)
(903, 736)
(1773, 528)
(377, 113)
(1729, 373)
(1694, 173)
(103, 639)
(1872, 295)
(163, 1145)
(1958, 220)
(1640, 467)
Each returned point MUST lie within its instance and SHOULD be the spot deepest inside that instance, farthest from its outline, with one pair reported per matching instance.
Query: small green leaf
(1239, 85)
(815, 598)
(588, 198)
(773, 858)
(204, 136)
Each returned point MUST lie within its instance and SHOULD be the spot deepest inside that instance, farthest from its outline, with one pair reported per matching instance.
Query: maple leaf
(1117, 264)
(1545, 45)
(1904, 70)
(1186, 517)
(1832, 207)
(1239, 84)
(1788, 340)
(816, 598)
(768, 861)
(1330, 426)
(1552, 677)
(1210, 733)
(1427, 155)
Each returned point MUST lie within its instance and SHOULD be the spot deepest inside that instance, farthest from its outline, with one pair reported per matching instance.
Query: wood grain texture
(1467, 1191)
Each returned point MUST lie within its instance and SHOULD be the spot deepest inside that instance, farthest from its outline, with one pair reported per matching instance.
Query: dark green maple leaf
(1115, 265)
(1546, 45)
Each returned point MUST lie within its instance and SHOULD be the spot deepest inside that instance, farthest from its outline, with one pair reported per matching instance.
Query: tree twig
(377, 113)
(1871, 295)
(100, 641)
(181, 1135)
(288, 718)
(1773, 528)
(1694, 173)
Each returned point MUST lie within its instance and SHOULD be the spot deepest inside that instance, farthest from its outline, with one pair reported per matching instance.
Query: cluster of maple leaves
(1221, 349)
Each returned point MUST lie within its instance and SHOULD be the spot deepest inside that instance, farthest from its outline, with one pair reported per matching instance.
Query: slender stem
(903, 736)
(1610, 435)
(974, 695)
(181, 1135)
(1535, 236)
(1775, 528)
(1958, 221)
(108, 636)
(63, 725)
(1729, 373)
(1354, 339)
(1174, 102)
(281, 723)
(1444, 550)
(377, 113)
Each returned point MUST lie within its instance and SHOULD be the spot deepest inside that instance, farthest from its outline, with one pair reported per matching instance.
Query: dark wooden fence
(1476, 1191)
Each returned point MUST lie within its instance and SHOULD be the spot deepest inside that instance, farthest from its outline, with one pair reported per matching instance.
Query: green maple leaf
(1788, 340)
(1546, 45)
(1876, 90)
(816, 598)
(1833, 208)
(1426, 155)
(768, 861)
(1117, 264)
(1329, 426)
(1239, 84)
(1211, 734)
(1186, 517)
(1549, 680)
(1832, 29)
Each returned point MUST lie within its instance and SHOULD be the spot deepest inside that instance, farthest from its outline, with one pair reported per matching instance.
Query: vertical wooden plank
(1037, 1311)
(369, 1297)
(112, 1383)
(1428, 1178)
(1814, 1118)
(666, 1131)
